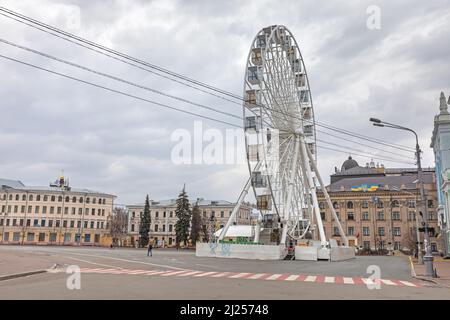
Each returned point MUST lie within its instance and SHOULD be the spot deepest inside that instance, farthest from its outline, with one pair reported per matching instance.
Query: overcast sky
(119, 145)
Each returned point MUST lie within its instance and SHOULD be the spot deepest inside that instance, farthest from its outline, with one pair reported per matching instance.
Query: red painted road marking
(257, 276)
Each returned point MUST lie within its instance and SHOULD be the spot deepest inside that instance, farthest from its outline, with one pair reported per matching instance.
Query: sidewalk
(442, 267)
(20, 262)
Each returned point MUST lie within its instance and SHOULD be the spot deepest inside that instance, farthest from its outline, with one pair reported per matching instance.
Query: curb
(20, 275)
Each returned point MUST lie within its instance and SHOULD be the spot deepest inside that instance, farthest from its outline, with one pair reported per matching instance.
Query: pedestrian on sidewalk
(149, 250)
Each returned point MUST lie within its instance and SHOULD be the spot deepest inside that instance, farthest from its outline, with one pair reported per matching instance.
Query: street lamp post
(428, 258)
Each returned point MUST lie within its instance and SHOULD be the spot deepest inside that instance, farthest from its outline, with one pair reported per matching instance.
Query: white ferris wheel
(280, 140)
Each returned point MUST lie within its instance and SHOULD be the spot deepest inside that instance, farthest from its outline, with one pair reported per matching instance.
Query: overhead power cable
(184, 78)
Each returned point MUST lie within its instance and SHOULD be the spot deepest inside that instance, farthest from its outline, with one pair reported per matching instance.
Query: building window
(73, 210)
(397, 245)
(322, 216)
(335, 205)
(53, 198)
(336, 231)
(132, 227)
(380, 215)
(164, 228)
(222, 214)
(72, 224)
(396, 215)
(380, 204)
(45, 198)
(67, 199)
(88, 200)
(397, 231)
(52, 210)
(434, 247)
(87, 237)
(81, 200)
(395, 204)
(156, 228)
(411, 203)
(16, 236)
(381, 231)
(430, 203)
(170, 228)
(156, 214)
(74, 199)
(366, 231)
(322, 205)
(350, 216)
(85, 224)
(365, 204)
(349, 205)
(44, 209)
(30, 236)
(50, 223)
(411, 216)
(24, 197)
(41, 237)
(92, 224)
(60, 199)
(365, 216)
(36, 209)
(65, 224)
(52, 237)
(351, 231)
(58, 222)
(382, 245)
(43, 223)
(80, 211)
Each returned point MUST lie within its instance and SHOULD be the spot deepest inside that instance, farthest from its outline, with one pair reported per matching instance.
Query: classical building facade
(55, 215)
(215, 214)
(379, 208)
(440, 142)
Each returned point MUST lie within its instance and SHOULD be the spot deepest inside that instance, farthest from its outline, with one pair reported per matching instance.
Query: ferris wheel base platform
(313, 253)
(272, 252)
(241, 251)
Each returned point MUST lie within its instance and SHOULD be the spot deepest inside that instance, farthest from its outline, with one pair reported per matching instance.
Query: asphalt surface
(105, 286)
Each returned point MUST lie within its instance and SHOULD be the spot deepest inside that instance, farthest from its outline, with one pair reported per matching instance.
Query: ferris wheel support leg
(307, 156)
(236, 208)
(287, 207)
(328, 199)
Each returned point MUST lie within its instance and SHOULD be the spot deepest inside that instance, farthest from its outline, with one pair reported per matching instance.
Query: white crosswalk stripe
(239, 275)
(329, 279)
(310, 278)
(388, 282)
(292, 277)
(205, 274)
(348, 280)
(274, 277)
(257, 276)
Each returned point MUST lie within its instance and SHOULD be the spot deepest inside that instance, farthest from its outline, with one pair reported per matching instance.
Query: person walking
(149, 250)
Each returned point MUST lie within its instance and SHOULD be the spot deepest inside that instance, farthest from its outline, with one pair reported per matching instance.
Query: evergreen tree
(196, 225)
(183, 214)
(144, 224)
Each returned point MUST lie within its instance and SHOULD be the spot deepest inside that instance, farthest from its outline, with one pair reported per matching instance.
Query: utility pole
(428, 258)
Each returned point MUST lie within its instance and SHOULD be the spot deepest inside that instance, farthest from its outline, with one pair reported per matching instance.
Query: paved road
(104, 286)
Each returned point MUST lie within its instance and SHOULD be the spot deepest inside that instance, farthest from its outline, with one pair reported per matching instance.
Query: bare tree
(119, 225)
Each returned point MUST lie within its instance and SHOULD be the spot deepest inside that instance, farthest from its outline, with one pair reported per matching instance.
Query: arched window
(67, 199)
(335, 205)
(30, 197)
(104, 201)
(88, 200)
(24, 197)
(81, 199)
(45, 198)
(74, 199)
(53, 198)
(38, 197)
(349, 205)
(17, 197)
(395, 204)
(10, 197)
(94, 201)
(60, 199)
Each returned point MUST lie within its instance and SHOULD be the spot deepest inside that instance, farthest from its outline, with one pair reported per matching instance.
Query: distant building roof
(7, 183)
(406, 181)
(18, 185)
(173, 202)
(349, 164)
